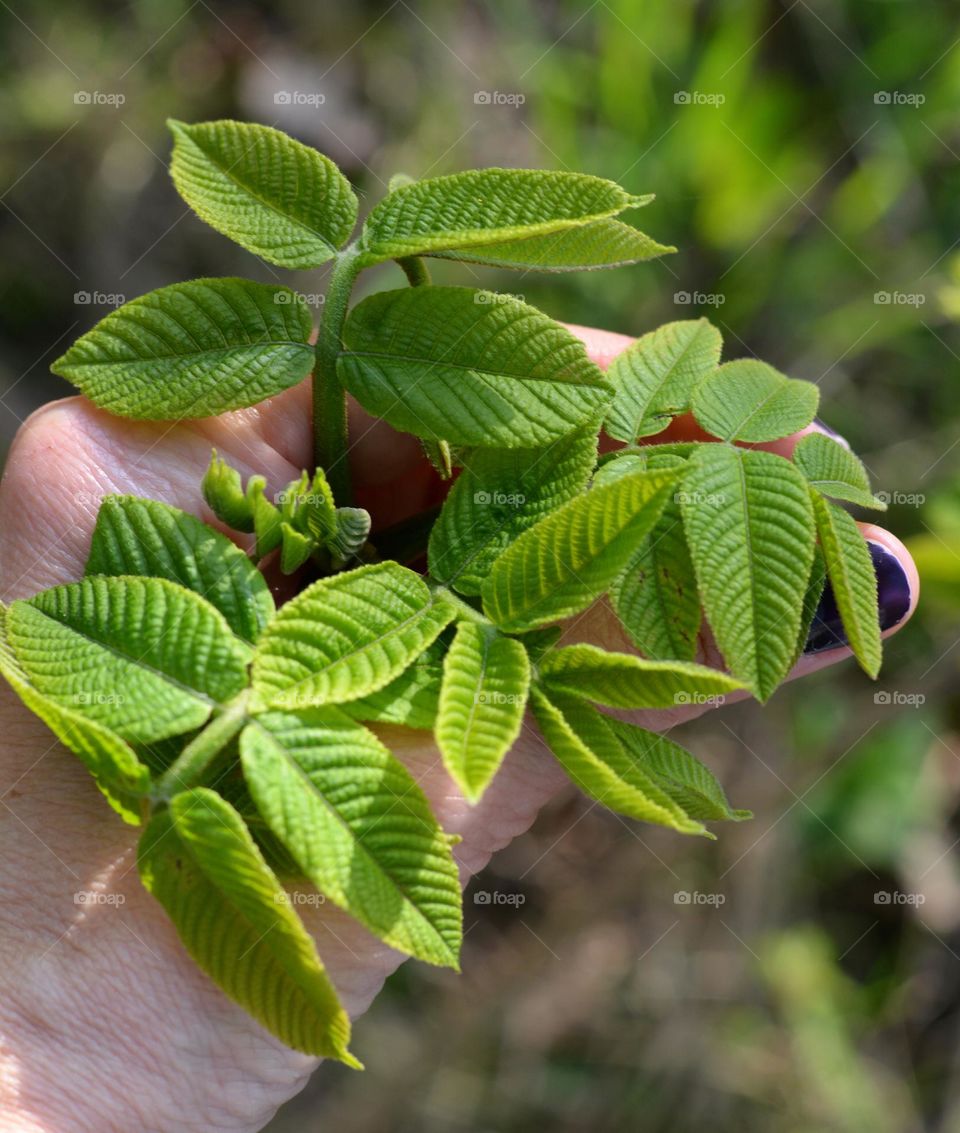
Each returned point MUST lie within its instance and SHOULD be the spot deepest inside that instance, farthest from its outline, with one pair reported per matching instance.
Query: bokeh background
(806, 160)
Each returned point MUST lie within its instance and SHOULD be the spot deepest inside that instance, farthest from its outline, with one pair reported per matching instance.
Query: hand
(106, 1023)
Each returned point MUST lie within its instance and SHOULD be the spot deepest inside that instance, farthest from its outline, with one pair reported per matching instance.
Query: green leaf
(811, 601)
(200, 862)
(146, 537)
(411, 699)
(468, 367)
(572, 556)
(273, 195)
(194, 349)
(600, 244)
(486, 206)
(852, 579)
(141, 656)
(624, 465)
(223, 491)
(621, 680)
(656, 598)
(486, 678)
(684, 778)
(359, 827)
(749, 525)
(119, 773)
(747, 400)
(834, 471)
(656, 375)
(587, 747)
(347, 636)
(499, 494)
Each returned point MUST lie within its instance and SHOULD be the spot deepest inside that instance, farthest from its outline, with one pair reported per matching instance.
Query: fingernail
(825, 428)
(893, 589)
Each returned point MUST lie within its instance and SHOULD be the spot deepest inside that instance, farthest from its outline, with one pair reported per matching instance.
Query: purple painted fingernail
(893, 588)
(825, 428)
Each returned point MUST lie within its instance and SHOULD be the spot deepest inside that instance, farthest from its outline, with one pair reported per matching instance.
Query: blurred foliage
(805, 157)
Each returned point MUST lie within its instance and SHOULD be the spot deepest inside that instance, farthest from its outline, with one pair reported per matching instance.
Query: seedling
(243, 737)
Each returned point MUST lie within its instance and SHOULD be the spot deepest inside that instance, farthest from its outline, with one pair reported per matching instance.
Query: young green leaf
(747, 400)
(749, 525)
(588, 749)
(624, 465)
(684, 778)
(499, 494)
(411, 699)
(811, 601)
(359, 827)
(563, 563)
(200, 862)
(852, 579)
(119, 773)
(469, 367)
(834, 471)
(193, 349)
(273, 195)
(486, 678)
(600, 244)
(486, 206)
(656, 375)
(223, 490)
(141, 656)
(146, 537)
(621, 680)
(346, 636)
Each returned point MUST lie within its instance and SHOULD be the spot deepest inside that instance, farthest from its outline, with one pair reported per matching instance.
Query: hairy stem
(329, 396)
(188, 769)
(415, 270)
(464, 609)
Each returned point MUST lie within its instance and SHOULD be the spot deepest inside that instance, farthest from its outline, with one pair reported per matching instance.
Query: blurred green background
(806, 161)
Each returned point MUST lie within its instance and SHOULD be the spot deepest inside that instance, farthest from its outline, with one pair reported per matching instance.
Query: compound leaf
(747, 400)
(193, 349)
(357, 824)
(749, 525)
(486, 678)
(273, 195)
(834, 471)
(468, 367)
(200, 862)
(346, 636)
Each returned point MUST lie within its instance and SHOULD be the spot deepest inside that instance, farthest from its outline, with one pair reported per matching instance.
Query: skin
(105, 1023)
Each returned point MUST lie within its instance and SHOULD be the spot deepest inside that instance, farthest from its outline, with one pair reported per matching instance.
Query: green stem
(329, 397)
(188, 769)
(415, 270)
(465, 611)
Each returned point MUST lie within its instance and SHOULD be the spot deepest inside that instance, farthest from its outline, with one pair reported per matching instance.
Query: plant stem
(188, 768)
(415, 270)
(329, 396)
(465, 611)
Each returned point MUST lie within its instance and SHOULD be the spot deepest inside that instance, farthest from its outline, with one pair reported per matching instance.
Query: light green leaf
(486, 206)
(141, 656)
(621, 680)
(749, 526)
(200, 862)
(223, 490)
(852, 579)
(834, 471)
(811, 601)
(567, 560)
(600, 244)
(273, 195)
(468, 367)
(346, 636)
(655, 376)
(146, 537)
(486, 678)
(747, 400)
(684, 778)
(119, 773)
(624, 465)
(359, 827)
(499, 494)
(411, 699)
(587, 747)
(193, 349)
